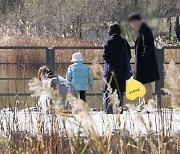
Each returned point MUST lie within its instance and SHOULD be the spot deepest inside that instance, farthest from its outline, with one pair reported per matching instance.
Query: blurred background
(86, 19)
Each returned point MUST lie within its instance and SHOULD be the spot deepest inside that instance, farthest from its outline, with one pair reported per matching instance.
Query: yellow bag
(134, 89)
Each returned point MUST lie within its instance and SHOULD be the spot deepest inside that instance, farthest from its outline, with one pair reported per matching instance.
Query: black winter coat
(116, 56)
(146, 69)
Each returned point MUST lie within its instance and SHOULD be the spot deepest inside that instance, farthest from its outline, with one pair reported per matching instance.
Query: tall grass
(14, 56)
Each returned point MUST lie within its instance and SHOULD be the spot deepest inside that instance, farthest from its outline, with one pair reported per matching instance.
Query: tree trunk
(170, 25)
(177, 28)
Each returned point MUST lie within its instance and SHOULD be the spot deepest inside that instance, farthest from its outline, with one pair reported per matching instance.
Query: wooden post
(160, 83)
(50, 57)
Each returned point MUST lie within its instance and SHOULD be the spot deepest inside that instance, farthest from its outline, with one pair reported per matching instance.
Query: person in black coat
(116, 68)
(146, 68)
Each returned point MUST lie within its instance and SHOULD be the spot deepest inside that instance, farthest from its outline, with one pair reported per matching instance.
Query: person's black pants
(82, 94)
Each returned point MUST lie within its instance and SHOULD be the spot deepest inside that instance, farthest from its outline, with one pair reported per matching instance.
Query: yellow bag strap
(109, 83)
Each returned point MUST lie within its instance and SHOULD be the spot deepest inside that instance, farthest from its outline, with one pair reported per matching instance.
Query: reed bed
(61, 56)
(34, 56)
